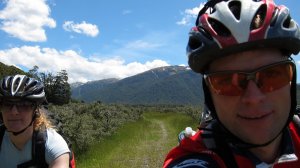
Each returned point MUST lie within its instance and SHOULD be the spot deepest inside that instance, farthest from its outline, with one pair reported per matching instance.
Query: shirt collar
(287, 153)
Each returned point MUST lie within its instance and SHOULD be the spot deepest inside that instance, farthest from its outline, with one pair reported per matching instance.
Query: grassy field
(144, 143)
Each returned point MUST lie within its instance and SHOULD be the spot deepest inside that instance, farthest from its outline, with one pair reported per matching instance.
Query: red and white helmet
(225, 27)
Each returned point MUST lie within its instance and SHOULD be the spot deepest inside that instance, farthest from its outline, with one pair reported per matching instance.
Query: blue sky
(98, 39)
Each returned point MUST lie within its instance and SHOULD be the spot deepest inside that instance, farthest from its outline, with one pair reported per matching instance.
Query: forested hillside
(9, 70)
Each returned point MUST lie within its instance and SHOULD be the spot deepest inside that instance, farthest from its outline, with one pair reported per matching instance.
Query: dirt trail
(148, 145)
(158, 144)
(144, 143)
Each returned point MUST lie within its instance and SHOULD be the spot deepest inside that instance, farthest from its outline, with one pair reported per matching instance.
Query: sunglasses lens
(21, 107)
(5, 107)
(24, 108)
(275, 77)
(268, 79)
(230, 84)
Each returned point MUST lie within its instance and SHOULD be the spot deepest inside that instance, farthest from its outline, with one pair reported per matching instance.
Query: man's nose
(252, 93)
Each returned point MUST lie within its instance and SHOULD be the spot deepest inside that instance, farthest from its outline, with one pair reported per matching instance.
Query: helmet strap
(30, 124)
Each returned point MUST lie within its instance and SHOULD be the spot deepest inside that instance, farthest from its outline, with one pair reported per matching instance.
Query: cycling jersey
(198, 151)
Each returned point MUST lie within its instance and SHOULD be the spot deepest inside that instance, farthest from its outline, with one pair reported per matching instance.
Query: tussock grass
(143, 143)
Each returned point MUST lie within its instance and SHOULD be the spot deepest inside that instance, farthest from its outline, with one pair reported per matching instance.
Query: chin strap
(19, 132)
(220, 132)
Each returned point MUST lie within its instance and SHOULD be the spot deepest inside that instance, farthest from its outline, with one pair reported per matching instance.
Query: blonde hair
(42, 120)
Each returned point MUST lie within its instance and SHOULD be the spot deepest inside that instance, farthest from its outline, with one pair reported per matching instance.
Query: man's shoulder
(199, 160)
(192, 152)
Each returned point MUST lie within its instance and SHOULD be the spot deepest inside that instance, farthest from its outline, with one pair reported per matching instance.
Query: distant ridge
(79, 90)
(165, 85)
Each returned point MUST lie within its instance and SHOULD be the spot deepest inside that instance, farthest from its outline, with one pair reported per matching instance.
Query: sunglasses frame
(18, 104)
(250, 75)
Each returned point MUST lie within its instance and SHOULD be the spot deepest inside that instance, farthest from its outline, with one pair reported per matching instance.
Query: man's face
(16, 115)
(254, 115)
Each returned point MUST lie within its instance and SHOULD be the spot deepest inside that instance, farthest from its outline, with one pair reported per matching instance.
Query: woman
(23, 118)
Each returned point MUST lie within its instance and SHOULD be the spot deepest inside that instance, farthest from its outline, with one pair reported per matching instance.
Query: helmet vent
(26, 81)
(31, 85)
(219, 28)
(211, 10)
(204, 32)
(15, 84)
(194, 43)
(259, 17)
(287, 23)
(235, 8)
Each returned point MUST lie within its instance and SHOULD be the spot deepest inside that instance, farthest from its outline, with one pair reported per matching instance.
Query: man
(243, 50)
(24, 119)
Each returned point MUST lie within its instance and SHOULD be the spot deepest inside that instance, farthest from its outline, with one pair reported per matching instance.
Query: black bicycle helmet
(225, 27)
(22, 87)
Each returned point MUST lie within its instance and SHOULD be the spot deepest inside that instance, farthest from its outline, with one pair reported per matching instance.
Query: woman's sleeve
(55, 146)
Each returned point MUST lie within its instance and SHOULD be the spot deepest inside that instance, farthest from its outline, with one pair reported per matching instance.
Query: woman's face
(16, 115)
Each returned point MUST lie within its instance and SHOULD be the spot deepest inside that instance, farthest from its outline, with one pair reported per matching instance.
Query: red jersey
(195, 152)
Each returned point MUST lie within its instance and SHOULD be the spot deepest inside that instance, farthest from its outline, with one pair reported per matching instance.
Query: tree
(62, 89)
(57, 88)
(49, 81)
(34, 72)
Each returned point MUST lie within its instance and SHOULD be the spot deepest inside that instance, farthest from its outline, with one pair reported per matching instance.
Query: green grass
(143, 143)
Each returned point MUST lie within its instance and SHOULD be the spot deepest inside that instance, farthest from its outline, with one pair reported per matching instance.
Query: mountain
(76, 84)
(165, 85)
(80, 90)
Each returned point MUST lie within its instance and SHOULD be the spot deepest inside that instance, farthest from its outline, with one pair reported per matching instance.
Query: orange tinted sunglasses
(267, 78)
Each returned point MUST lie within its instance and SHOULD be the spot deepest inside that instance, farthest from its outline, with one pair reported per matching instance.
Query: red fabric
(296, 141)
(188, 146)
(194, 144)
(72, 161)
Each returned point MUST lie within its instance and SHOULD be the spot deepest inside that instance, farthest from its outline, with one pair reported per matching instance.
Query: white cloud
(189, 15)
(26, 19)
(126, 12)
(142, 45)
(79, 68)
(82, 28)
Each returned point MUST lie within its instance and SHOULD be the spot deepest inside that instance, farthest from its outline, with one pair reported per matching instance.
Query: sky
(99, 39)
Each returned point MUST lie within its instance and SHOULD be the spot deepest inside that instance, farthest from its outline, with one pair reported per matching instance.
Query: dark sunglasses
(267, 78)
(21, 106)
